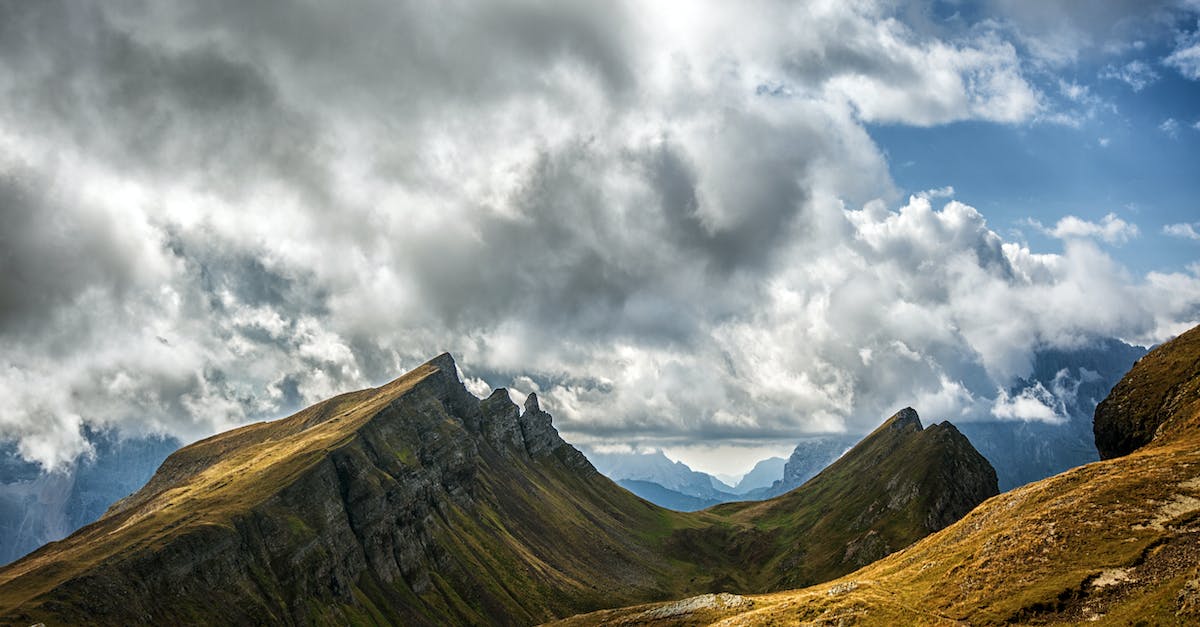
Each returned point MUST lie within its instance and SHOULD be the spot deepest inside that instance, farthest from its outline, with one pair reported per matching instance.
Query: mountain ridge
(417, 503)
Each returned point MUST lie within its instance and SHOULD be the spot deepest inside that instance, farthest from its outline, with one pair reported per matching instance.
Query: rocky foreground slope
(417, 503)
(1113, 542)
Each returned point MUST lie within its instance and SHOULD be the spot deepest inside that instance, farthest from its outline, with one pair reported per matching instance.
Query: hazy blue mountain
(37, 507)
(658, 468)
(723, 483)
(811, 456)
(664, 497)
(1074, 382)
(727, 479)
(763, 475)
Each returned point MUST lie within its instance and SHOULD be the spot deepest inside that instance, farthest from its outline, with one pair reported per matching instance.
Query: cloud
(1186, 56)
(1170, 126)
(1058, 33)
(211, 217)
(1137, 74)
(940, 192)
(1109, 229)
(1183, 229)
(1034, 403)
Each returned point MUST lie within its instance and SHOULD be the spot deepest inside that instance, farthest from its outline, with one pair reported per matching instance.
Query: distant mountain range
(674, 478)
(765, 473)
(416, 503)
(1021, 451)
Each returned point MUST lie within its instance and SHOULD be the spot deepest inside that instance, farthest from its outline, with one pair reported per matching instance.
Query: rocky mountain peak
(905, 419)
(445, 363)
(531, 403)
(425, 505)
(502, 421)
(541, 438)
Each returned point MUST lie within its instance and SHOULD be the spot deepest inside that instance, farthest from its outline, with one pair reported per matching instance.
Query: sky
(696, 226)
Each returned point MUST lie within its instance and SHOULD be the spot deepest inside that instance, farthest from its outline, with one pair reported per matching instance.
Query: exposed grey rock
(502, 421)
(691, 605)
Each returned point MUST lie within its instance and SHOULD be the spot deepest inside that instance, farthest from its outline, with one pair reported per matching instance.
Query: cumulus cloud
(1109, 229)
(672, 229)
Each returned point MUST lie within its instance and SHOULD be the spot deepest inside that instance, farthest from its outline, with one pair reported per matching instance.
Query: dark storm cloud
(53, 249)
(414, 56)
(562, 261)
(194, 114)
(761, 190)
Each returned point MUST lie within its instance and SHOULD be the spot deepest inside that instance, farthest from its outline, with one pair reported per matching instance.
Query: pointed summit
(531, 403)
(445, 363)
(904, 419)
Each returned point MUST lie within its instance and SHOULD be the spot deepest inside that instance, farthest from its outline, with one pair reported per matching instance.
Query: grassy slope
(1116, 541)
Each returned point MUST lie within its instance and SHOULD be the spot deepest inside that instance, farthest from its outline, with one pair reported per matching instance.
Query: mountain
(1115, 541)
(411, 503)
(764, 474)
(897, 485)
(811, 456)
(1073, 382)
(416, 503)
(666, 497)
(658, 468)
(37, 507)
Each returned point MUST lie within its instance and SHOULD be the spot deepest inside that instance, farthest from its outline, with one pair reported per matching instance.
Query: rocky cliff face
(811, 456)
